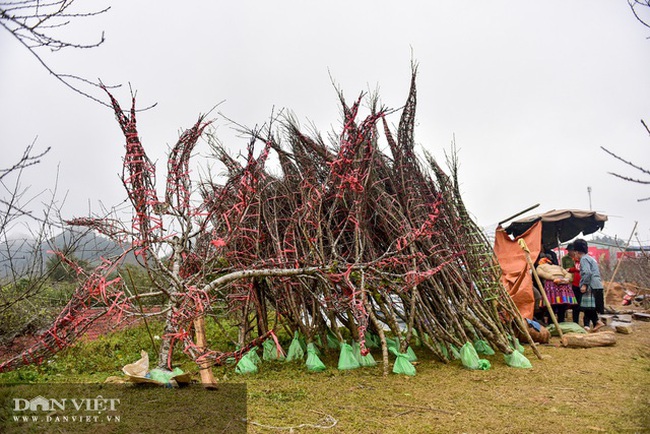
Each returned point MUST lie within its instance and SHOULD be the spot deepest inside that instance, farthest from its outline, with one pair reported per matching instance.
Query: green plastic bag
(367, 361)
(566, 327)
(418, 341)
(356, 349)
(271, 352)
(316, 345)
(364, 361)
(255, 358)
(470, 359)
(314, 363)
(443, 350)
(372, 340)
(483, 347)
(517, 360)
(332, 342)
(163, 375)
(301, 340)
(402, 364)
(455, 353)
(295, 349)
(246, 365)
(411, 355)
(347, 359)
(517, 346)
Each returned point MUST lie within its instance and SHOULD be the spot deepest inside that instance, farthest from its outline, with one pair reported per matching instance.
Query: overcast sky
(530, 90)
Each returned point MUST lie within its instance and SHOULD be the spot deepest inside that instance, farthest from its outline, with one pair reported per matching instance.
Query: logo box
(93, 408)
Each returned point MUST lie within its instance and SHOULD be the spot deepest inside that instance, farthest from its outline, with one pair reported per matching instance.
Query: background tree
(61, 272)
(37, 25)
(24, 304)
(643, 170)
(21, 258)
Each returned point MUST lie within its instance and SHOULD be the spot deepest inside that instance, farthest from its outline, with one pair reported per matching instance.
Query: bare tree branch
(629, 163)
(639, 3)
(645, 126)
(625, 178)
(25, 161)
(30, 22)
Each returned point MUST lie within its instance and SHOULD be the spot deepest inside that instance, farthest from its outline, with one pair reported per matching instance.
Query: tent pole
(517, 215)
(524, 247)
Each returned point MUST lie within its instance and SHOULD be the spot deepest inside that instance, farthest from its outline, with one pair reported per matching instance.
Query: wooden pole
(207, 378)
(517, 215)
(618, 263)
(524, 247)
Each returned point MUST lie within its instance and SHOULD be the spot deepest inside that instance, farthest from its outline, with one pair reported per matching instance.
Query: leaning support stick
(524, 247)
(519, 319)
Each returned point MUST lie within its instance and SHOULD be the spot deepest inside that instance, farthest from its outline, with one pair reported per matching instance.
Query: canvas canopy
(559, 225)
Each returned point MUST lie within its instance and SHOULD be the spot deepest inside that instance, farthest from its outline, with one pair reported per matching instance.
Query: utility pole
(589, 193)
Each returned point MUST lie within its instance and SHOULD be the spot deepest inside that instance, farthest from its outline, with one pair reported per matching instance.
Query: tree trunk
(166, 347)
(590, 340)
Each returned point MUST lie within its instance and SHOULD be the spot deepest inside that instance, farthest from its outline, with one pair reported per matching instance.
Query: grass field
(570, 391)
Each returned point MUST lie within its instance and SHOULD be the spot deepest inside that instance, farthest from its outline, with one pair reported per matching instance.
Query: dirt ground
(570, 391)
(596, 390)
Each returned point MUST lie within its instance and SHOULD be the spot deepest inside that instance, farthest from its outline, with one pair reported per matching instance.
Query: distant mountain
(24, 253)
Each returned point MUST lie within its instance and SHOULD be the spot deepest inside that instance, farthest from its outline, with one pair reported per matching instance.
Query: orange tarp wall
(517, 278)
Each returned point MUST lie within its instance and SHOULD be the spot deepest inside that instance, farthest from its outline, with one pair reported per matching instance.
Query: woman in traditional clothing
(557, 285)
(591, 286)
(570, 264)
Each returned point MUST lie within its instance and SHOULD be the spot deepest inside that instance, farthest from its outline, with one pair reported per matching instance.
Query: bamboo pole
(518, 214)
(524, 247)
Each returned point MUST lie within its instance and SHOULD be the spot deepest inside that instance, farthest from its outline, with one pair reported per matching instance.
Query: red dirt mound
(103, 325)
(616, 292)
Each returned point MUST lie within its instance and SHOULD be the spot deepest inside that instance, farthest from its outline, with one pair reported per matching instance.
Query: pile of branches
(345, 236)
(632, 269)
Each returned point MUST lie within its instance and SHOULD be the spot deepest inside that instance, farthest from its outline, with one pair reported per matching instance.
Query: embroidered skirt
(559, 294)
